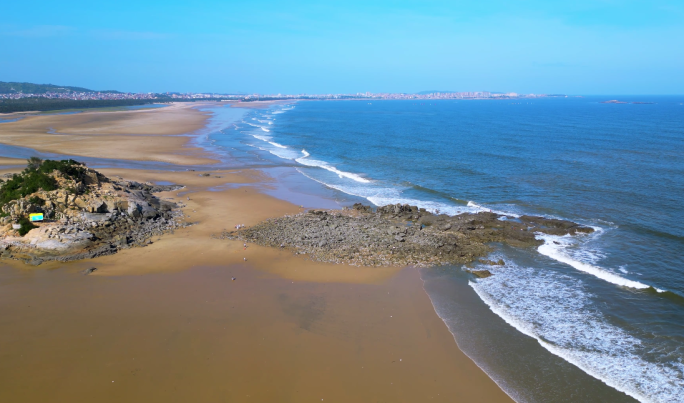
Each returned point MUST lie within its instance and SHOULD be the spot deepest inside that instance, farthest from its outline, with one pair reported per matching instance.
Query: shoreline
(334, 322)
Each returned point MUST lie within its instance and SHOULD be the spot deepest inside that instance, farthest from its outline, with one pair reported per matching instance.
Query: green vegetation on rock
(37, 176)
(26, 226)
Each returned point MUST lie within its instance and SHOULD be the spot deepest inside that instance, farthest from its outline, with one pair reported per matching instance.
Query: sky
(579, 47)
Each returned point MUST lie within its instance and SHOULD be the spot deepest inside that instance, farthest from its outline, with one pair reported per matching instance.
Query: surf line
(322, 164)
(549, 249)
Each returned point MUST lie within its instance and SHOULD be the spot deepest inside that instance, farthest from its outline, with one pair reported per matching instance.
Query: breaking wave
(557, 248)
(564, 320)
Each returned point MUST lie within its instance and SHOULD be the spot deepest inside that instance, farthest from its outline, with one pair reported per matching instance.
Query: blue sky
(526, 46)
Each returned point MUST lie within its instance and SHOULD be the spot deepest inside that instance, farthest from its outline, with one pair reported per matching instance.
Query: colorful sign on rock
(36, 217)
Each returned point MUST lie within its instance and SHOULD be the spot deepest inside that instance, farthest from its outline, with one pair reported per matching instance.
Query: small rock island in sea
(85, 214)
(400, 235)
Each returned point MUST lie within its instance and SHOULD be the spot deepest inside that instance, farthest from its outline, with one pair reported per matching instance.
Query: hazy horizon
(269, 47)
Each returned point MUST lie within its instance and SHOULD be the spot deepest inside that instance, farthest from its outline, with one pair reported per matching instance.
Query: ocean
(595, 317)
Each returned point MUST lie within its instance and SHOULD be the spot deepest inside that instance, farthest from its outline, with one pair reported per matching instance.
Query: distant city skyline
(269, 47)
(51, 91)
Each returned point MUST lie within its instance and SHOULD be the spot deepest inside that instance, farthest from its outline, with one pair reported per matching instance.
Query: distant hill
(29, 88)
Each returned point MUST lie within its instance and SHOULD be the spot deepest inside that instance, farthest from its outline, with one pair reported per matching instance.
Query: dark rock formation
(399, 235)
(480, 273)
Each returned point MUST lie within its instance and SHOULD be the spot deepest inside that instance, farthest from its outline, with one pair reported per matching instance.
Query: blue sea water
(587, 318)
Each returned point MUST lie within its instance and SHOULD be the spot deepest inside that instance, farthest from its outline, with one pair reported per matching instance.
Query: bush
(24, 184)
(70, 168)
(34, 163)
(37, 201)
(26, 226)
(36, 176)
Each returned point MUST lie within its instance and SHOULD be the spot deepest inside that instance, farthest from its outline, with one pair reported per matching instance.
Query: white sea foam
(431, 206)
(322, 164)
(273, 143)
(558, 312)
(481, 208)
(268, 139)
(264, 129)
(285, 153)
(556, 247)
(383, 196)
(262, 138)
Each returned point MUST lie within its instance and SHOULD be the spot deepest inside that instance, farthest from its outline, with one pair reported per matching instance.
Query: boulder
(80, 203)
(148, 211)
(121, 205)
(133, 209)
(96, 217)
(481, 273)
(97, 206)
(91, 178)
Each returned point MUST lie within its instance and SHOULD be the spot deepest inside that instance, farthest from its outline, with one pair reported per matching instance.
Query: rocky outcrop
(480, 273)
(88, 215)
(399, 235)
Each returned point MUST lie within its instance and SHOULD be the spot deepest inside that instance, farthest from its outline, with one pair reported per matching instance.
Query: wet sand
(167, 323)
(12, 162)
(145, 134)
(196, 335)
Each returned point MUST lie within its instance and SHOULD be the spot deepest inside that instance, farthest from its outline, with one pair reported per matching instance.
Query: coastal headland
(191, 317)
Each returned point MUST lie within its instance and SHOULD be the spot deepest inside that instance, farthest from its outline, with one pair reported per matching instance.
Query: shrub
(70, 168)
(36, 176)
(24, 184)
(34, 163)
(37, 201)
(26, 226)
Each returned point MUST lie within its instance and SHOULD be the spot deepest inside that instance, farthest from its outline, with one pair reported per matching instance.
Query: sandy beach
(145, 134)
(167, 322)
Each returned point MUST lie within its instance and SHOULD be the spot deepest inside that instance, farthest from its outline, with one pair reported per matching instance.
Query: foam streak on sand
(564, 320)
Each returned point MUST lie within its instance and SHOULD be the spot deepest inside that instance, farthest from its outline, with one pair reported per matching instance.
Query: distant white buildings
(199, 96)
